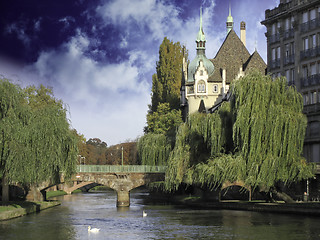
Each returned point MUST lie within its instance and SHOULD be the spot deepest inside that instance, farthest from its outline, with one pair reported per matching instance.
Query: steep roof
(256, 62)
(231, 56)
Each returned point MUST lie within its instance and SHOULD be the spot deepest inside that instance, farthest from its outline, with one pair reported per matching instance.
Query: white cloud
(106, 101)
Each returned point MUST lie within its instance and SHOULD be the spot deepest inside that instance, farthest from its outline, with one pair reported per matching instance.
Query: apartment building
(293, 51)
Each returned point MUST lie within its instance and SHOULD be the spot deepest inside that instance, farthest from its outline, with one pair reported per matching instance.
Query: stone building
(205, 82)
(293, 50)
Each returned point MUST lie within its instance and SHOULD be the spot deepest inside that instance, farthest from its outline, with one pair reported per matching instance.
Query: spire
(201, 38)
(229, 20)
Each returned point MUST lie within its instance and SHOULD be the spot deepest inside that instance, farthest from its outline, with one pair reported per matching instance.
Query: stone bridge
(122, 179)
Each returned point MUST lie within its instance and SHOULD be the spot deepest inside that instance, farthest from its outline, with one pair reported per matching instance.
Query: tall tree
(164, 115)
(166, 82)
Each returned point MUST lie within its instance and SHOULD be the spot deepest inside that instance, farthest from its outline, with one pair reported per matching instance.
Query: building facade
(205, 82)
(293, 51)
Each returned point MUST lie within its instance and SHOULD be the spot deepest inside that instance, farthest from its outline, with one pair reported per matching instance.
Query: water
(78, 211)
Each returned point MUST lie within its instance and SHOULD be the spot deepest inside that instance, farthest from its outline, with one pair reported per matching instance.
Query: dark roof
(202, 107)
(231, 56)
(255, 62)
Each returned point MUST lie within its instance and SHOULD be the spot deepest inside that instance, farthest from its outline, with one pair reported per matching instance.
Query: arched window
(201, 87)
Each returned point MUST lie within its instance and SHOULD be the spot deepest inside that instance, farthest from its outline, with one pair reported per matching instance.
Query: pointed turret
(229, 21)
(201, 38)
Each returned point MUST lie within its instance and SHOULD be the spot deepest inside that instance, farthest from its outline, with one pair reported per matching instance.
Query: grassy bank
(17, 209)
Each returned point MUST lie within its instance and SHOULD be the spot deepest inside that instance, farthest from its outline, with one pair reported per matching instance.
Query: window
(305, 44)
(201, 87)
(311, 98)
(305, 71)
(287, 50)
(273, 53)
(273, 29)
(288, 75)
(314, 41)
(292, 75)
(313, 14)
(305, 98)
(215, 88)
(305, 17)
(313, 69)
(287, 24)
(201, 72)
(278, 52)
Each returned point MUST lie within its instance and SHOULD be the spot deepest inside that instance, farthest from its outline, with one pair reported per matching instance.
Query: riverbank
(18, 209)
(304, 208)
(196, 202)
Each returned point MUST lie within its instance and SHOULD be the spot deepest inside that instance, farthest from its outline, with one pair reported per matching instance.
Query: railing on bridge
(120, 168)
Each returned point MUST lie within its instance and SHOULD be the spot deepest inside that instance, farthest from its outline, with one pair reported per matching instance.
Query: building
(205, 82)
(293, 50)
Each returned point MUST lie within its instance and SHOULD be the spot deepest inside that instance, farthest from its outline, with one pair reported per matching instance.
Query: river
(78, 211)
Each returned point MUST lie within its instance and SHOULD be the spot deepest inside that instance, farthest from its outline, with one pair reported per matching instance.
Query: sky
(98, 56)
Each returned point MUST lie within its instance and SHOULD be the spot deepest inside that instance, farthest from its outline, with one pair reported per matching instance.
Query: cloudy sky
(98, 56)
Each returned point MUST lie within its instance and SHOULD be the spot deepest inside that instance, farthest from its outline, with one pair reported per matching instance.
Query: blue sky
(98, 56)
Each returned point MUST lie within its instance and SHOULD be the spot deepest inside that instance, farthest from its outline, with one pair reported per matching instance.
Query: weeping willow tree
(13, 118)
(201, 137)
(37, 142)
(257, 138)
(153, 149)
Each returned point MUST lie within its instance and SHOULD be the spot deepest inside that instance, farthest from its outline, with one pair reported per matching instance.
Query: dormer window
(201, 87)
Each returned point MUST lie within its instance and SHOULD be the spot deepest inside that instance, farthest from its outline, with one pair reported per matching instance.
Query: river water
(78, 211)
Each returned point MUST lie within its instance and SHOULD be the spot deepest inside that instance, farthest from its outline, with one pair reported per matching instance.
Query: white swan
(144, 214)
(93, 230)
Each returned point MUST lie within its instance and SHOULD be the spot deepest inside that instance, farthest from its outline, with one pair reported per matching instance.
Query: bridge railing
(120, 168)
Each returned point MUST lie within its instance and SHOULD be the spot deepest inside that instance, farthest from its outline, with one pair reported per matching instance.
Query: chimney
(243, 33)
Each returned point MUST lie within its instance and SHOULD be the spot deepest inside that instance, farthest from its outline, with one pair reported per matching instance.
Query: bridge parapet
(121, 168)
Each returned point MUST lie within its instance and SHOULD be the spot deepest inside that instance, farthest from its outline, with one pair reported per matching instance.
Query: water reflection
(77, 212)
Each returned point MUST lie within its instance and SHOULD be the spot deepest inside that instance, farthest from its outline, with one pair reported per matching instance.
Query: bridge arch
(239, 184)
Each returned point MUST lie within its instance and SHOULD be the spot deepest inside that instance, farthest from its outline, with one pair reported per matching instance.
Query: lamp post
(122, 156)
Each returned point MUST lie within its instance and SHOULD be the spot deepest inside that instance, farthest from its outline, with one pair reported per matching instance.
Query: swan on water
(94, 230)
(144, 214)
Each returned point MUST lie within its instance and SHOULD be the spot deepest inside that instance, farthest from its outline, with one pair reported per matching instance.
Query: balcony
(310, 81)
(310, 25)
(289, 59)
(274, 38)
(288, 34)
(311, 108)
(275, 63)
(310, 53)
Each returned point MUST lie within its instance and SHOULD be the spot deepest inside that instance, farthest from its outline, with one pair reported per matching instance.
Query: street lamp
(121, 155)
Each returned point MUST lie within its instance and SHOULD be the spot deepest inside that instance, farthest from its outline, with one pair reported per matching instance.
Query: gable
(231, 56)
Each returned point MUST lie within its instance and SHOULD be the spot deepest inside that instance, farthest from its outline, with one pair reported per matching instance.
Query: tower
(229, 21)
(198, 72)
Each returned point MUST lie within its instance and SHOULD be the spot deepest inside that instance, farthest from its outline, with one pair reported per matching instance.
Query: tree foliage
(257, 138)
(166, 82)
(153, 149)
(36, 140)
(164, 121)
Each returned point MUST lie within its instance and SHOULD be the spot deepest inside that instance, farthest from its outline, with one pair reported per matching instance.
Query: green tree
(44, 145)
(13, 119)
(166, 82)
(164, 121)
(266, 145)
